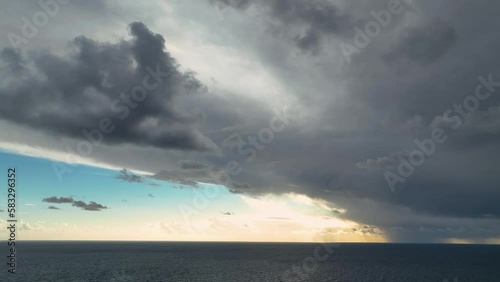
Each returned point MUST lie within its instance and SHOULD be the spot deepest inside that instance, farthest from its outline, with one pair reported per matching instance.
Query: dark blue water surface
(168, 261)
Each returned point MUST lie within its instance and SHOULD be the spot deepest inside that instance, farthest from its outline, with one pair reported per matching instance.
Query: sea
(194, 261)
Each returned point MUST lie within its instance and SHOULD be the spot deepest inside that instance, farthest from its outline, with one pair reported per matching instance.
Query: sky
(252, 120)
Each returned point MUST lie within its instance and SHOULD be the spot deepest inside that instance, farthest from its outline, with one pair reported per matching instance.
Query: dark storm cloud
(238, 4)
(386, 162)
(91, 206)
(421, 65)
(479, 122)
(190, 164)
(188, 177)
(242, 186)
(60, 200)
(129, 86)
(451, 199)
(315, 19)
(423, 44)
(232, 141)
(53, 208)
(13, 61)
(320, 17)
(360, 113)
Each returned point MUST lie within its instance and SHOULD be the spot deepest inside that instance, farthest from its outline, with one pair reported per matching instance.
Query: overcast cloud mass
(217, 73)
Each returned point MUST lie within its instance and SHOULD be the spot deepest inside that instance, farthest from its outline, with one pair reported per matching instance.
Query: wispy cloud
(59, 200)
(91, 206)
(127, 175)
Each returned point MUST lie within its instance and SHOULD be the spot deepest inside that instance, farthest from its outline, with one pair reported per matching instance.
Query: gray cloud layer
(91, 206)
(60, 200)
(132, 84)
(302, 22)
(357, 121)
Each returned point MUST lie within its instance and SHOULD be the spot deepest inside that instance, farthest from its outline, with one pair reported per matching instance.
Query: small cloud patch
(91, 206)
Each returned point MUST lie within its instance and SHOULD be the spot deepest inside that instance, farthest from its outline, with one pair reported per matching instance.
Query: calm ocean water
(106, 261)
